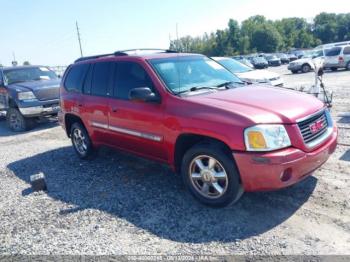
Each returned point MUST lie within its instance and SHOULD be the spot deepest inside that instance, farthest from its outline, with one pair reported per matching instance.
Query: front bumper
(294, 67)
(41, 109)
(264, 171)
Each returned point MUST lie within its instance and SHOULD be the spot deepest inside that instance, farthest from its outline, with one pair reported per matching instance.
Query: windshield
(258, 59)
(183, 73)
(17, 75)
(234, 66)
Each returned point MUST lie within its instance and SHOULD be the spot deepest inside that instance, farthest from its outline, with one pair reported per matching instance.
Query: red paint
(223, 116)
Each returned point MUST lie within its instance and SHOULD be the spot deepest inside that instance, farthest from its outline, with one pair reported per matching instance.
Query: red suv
(188, 111)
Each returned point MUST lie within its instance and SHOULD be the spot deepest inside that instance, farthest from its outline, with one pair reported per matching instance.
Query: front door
(135, 126)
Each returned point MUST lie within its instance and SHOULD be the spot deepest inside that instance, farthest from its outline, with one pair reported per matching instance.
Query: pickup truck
(26, 93)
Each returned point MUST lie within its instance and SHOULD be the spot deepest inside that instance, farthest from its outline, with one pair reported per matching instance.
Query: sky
(43, 32)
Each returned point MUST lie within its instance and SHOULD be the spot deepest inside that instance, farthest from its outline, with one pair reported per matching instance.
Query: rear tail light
(341, 59)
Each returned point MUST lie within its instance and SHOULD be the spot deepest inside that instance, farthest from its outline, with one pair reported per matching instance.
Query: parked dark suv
(26, 93)
(191, 113)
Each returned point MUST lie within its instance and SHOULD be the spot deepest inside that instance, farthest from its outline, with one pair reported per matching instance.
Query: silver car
(338, 57)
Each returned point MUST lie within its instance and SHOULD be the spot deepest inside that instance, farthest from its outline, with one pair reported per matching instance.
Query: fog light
(286, 175)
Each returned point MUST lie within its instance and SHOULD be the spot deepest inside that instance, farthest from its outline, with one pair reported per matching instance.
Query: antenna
(79, 40)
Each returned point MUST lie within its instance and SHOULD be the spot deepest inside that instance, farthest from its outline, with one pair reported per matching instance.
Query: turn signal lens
(256, 140)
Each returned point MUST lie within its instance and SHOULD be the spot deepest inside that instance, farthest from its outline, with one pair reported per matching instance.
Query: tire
(294, 71)
(306, 68)
(16, 122)
(348, 66)
(334, 69)
(218, 186)
(81, 141)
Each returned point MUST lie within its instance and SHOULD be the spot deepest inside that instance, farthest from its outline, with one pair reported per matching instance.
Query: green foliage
(26, 63)
(257, 34)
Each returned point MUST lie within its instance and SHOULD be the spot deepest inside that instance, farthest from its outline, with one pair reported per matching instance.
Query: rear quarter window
(346, 50)
(75, 78)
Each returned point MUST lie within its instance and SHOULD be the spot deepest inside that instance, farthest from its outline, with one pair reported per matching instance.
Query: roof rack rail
(125, 53)
(84, 58)
(158, 50)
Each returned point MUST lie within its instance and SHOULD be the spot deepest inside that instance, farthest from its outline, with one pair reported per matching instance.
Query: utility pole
(177, 38)
(78, 34)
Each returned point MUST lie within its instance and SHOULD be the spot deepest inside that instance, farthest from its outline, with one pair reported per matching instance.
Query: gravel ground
(121, 204)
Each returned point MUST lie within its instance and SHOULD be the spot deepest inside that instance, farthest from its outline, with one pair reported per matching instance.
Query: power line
(78, 34)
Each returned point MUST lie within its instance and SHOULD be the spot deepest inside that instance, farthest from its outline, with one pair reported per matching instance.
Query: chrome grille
(47, 93)
(306, 130)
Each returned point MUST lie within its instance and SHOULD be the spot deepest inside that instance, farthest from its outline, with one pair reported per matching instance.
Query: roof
(21, 67)
(139, 53)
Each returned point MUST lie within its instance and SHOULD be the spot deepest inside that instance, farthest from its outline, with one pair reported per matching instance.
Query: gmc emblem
(317, 126)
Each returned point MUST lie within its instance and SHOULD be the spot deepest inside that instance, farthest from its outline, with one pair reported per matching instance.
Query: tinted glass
(346, 50)
(334, 51)
(234, 66)
(101, 79)
(129, 75)
(75, 78)
(183, 73)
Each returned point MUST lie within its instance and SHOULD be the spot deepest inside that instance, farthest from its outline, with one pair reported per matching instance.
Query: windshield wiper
(228, 83)
(196, 88)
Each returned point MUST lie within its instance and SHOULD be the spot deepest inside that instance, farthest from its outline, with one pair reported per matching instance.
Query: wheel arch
(187, 140)
(69, 120)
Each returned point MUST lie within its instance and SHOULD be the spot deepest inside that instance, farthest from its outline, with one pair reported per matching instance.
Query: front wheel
(211, 175)
(81, 141)
(306, 68)
(17, 122)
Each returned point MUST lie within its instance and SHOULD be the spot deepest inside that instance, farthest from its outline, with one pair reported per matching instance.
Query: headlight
(26, 96)
(266, 138)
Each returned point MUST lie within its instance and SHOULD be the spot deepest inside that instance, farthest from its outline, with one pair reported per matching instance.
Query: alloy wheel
(79, 141)
(208, 176)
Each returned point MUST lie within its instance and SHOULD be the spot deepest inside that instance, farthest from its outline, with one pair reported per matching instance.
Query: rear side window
(101, 78)
(346, 50)
(129, 75)
(75, 78)
(334, 51)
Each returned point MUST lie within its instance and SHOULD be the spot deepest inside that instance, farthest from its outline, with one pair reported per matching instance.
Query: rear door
(332, 56)
(346, 54)
(135, 126)
(94, 104)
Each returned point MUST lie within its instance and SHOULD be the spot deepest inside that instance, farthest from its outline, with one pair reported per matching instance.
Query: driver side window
(129, 75)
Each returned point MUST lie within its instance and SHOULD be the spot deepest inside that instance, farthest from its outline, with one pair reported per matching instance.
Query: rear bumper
(263, 171)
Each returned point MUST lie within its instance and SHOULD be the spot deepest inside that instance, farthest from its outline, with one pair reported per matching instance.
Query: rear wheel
(306, 68)
(211, 175)
(81, 141)
(17, 122)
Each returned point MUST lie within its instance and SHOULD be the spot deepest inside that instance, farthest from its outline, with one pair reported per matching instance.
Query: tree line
(258, 34)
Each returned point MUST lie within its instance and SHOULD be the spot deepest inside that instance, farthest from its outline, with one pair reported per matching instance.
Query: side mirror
(143, 94)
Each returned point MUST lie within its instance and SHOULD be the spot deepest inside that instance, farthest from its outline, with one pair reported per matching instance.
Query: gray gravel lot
(121, 204)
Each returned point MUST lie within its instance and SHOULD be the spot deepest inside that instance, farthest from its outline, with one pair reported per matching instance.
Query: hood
(257, 75)
(262, 104)
(35, 85)
(303, 60)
